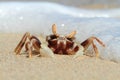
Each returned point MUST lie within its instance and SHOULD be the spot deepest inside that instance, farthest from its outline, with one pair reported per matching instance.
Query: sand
(62, 67)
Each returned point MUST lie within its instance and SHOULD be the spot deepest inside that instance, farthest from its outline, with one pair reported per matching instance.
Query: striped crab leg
(21, 43)
(89, 41)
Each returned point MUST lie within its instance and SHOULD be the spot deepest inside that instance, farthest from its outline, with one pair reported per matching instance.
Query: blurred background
(89, 4)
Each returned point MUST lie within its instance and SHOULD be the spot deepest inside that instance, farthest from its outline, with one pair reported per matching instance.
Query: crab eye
(70, 39)
(53, 36)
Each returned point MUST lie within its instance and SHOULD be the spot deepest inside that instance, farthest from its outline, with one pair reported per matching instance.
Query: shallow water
(38, 18)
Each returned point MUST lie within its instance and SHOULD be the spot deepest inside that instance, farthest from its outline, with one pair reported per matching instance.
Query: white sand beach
(62, 67)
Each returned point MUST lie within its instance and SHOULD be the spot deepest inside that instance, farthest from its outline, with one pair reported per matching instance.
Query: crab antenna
(72, 34)
(54, 29)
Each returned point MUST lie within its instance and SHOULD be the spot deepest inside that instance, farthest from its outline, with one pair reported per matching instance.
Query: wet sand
(62, 67)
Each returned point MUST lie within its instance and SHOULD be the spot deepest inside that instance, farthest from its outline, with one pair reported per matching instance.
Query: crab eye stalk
(54, 30)
(71, 35)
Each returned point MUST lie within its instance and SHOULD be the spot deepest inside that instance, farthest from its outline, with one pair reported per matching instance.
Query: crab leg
(95, 49)
(29, 48)
(89, 41)
(26, 46)
(21, 43)
(34, 43)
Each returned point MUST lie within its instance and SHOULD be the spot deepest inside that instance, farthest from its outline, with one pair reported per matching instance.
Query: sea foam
(37, 17)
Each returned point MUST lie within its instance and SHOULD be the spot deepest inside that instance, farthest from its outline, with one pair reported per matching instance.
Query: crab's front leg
(89, 41)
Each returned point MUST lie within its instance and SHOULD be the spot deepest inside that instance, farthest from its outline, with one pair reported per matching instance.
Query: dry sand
(62, 67)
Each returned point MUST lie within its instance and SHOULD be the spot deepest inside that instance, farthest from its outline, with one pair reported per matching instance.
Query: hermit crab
(57, 44)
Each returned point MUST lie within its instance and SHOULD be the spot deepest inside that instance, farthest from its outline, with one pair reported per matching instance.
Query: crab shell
(62, 45)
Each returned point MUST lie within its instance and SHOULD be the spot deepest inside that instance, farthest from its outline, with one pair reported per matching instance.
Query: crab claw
(79, 52)
(46, 51)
